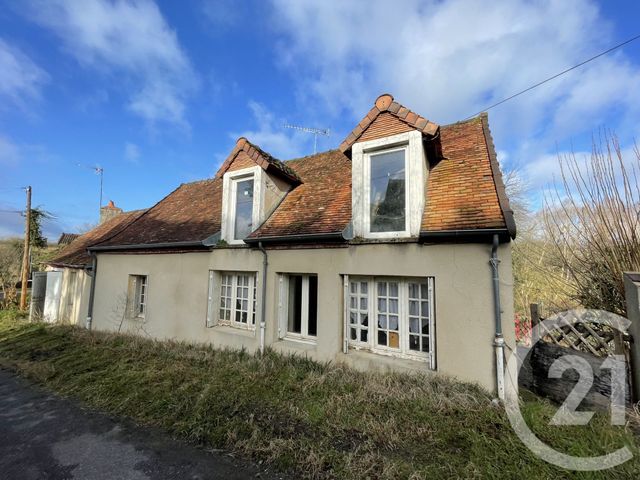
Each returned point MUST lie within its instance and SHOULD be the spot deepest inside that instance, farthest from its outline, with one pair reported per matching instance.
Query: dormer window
(387, 191)
(388, 180)
(242, 191)
(243, 209)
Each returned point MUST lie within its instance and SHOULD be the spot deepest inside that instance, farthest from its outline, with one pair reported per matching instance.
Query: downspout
(92, 290)
(263, 303)
(498, 341)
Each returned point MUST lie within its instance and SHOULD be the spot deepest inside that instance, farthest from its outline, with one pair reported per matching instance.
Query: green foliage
(36, 238)
(313, 420)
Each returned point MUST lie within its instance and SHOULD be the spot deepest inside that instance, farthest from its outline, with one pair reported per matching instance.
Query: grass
(310, 419)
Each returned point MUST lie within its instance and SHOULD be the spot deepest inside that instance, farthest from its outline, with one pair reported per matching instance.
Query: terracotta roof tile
(385, 105)
(192, 212)
(461, 191)
(322, 204)
(261, 158)
(75, 254)
(464, 190)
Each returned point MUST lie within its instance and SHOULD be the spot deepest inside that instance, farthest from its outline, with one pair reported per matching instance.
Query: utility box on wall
(632, 296)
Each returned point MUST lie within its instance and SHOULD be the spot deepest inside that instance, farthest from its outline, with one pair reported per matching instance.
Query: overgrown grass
(310, 419)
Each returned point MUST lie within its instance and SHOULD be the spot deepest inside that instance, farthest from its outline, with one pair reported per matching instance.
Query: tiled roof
(261, 158)
(463, 189)
(75, 254)
(192, 212)
(386, 104)
(67, 238)
(322, 204)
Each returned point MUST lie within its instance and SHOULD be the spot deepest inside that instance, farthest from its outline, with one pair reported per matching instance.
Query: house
(68, 278)
(391, 252)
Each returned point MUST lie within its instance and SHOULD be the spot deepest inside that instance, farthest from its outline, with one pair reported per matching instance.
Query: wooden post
(535, 314)
(25, 254)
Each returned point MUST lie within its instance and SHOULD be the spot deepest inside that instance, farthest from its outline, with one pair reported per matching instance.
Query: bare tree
(592, 221)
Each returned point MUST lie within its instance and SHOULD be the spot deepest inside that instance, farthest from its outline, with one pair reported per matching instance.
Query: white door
(52, 297)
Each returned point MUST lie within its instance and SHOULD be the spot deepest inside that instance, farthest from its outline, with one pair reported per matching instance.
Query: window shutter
(432, 326)
(282, 310)
(345, 303)
(131, 297)
(212, 318)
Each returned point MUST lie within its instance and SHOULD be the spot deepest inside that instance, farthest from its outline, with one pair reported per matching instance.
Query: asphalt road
(43, 436)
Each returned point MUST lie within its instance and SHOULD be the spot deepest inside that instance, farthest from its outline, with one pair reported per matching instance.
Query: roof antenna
(98, 171)
(315, 131)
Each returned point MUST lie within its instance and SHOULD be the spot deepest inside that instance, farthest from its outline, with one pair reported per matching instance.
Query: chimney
(108, 212)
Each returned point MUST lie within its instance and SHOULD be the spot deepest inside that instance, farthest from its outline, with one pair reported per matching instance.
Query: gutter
(92, 291)
(143, 246)
(263, 303)
(305, 237)
(485, 234)
(498, 341)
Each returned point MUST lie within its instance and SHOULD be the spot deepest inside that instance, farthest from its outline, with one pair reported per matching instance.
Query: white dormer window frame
(230, 183)
(415, 175)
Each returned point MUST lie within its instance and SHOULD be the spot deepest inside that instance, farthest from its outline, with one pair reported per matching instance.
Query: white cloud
(448, 60)
(271, 136)
(20, 78)
(130, 40)
(131, 152)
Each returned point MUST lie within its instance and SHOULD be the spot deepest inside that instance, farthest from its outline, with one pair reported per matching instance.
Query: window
(237, 301)
(138, 287)
(299, 306)
(387, 197)
(401, 310)
(243, 211)
(388, 178)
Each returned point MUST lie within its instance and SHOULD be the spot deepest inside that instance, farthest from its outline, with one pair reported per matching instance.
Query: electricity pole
(25, 254)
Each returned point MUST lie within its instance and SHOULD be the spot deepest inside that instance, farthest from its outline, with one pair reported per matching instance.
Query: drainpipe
(498, 341)
(263, 304)
(92, 290)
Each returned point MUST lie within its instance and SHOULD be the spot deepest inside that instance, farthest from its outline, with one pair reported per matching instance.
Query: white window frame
(416, 173)
(403, 350)
(138, 296)
(367, 193)
(283, 307)
(229, 189)
(215, 297)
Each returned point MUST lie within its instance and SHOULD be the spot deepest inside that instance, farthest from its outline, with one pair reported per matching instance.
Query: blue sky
(157, 92)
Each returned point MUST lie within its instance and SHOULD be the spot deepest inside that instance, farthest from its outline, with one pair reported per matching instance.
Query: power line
(555, 76)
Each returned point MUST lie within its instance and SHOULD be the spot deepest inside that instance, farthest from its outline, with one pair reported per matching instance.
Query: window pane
(387, 192)
(312, 328)
(244, 209)
(295, 304)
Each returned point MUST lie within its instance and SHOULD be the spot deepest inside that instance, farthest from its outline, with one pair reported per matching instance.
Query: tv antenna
(315, 131)
(98, 170)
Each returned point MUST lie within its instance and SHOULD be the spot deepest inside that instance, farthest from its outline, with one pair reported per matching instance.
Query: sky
(157, 92)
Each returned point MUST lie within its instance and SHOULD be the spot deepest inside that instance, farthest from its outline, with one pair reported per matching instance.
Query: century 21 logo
(567, 414)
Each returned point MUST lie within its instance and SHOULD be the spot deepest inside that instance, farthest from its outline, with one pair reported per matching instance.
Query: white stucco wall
(178, 284)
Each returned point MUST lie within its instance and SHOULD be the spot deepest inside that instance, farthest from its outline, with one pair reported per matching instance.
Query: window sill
(389, 352)
(300, 340)
(382, 360)
(233, 330)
